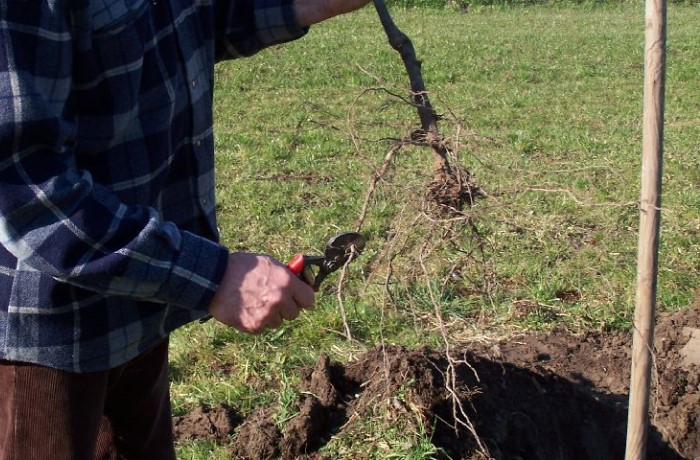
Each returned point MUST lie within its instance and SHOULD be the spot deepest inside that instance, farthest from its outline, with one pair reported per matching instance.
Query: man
(108, 238)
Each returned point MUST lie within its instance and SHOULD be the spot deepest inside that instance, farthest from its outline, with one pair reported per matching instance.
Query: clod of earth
(540, 397)
(691, 350)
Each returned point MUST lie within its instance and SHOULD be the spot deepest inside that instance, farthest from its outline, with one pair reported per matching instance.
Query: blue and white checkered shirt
(108, 238)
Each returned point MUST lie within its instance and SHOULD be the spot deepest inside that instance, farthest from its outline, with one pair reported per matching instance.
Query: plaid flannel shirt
(108, 238)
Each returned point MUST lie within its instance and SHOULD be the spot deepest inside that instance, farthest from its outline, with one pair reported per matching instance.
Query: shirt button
(193, 83)
(198, 144)
(204, 201)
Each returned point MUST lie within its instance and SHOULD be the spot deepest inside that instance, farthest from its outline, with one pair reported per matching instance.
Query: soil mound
(535, 397)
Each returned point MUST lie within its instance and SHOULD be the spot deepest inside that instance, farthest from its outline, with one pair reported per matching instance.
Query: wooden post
(650, 214)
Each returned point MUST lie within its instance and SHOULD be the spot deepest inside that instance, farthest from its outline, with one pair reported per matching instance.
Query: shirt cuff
(197, 271)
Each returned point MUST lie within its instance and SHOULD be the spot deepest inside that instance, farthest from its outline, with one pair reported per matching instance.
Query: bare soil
(535, 397)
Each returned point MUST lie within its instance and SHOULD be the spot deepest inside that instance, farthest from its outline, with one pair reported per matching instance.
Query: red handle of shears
(296, 265)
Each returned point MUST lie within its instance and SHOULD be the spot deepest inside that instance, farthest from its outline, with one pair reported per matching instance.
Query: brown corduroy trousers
(122, 413)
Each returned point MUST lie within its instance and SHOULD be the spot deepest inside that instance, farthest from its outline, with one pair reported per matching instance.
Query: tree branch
(428, 118)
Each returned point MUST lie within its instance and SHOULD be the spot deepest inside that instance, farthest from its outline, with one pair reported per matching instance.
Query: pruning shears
(340, 250)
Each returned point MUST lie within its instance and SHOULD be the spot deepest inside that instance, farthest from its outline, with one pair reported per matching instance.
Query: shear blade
(341, 248)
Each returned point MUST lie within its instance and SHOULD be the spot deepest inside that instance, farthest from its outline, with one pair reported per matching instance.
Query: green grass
(546, 103)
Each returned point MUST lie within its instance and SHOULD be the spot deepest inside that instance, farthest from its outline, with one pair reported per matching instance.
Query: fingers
(296, 297)
(289, 313)
(303, 294)
(274, 322)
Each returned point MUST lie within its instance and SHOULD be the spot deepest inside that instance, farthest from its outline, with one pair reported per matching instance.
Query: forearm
(246, 27)
(310, 12)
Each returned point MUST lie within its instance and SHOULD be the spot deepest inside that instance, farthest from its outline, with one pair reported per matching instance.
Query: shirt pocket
(108, 17)
(120, 76)
(122, 31)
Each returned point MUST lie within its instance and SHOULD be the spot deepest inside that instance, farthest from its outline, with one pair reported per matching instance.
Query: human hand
(312, 11)
(257, 293)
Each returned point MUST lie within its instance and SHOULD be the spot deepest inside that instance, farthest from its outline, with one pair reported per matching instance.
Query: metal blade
(342, 247)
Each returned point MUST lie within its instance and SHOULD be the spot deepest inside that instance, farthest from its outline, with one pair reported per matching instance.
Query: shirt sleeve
(54, 219)
(245, 27)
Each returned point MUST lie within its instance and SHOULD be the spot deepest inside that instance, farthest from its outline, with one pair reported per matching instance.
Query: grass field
(541, 104)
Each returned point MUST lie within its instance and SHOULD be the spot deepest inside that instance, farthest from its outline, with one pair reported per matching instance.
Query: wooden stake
(649, 220)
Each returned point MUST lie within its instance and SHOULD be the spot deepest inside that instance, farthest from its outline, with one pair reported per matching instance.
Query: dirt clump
(210, 423)
(677, 388)
(258, 437)
(533, 397)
